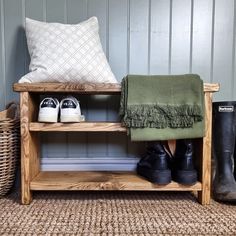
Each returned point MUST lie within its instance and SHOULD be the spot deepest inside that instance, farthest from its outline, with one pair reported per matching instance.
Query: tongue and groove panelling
(139, 37)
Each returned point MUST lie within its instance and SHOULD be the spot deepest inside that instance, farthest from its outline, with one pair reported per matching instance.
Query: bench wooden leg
(204, 196)
(29, 147)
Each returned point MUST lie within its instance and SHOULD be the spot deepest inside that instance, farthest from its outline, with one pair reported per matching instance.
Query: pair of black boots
(224, 154)
(160, 167)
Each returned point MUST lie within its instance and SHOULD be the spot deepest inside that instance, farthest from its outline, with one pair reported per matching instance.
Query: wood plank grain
(25, 158)
(211, 87)
(81, 127)
(95, 180)
(88, 88)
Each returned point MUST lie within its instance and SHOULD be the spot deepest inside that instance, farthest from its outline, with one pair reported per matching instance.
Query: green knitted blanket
(162, 107)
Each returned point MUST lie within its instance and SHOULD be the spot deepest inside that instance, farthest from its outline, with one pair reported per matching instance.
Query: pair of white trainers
(69, 110)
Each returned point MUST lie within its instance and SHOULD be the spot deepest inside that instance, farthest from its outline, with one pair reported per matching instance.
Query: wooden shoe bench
(33, 179)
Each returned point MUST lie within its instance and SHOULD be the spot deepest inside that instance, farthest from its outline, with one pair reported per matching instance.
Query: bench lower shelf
(101, 180)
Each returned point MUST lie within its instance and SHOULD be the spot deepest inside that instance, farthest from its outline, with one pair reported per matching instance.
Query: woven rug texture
(115, 213)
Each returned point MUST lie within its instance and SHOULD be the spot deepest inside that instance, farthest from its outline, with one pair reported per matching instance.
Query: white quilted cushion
(66, 53)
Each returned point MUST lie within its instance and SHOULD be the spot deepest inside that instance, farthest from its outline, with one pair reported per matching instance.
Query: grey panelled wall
(138, 36)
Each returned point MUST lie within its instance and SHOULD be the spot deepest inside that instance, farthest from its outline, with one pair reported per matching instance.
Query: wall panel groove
(223, 47)
(14, 46)
(65, 12)
(107, 31)
(2, 59)
(202, 39)
(128, 37)
(159, 37)
(149, 34)
(212, 39)
(191, 38)
(170, 37)
(24, 37)
(44, 2)
(138, 37)
(234, 55)
(180, 36)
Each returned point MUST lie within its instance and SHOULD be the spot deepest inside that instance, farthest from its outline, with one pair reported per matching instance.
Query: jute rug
(115, 213)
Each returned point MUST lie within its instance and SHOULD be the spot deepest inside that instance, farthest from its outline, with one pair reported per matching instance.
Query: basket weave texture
(9, 146)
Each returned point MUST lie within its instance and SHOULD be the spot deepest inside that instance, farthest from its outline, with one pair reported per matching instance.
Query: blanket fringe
(162, 116)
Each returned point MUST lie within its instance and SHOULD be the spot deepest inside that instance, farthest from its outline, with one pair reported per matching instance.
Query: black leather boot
(154, 166)
(183, 170)
(224, 118)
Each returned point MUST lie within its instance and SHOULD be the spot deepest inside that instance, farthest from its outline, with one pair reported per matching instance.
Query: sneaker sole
(47, 119)
(162, 177)
(65, 119)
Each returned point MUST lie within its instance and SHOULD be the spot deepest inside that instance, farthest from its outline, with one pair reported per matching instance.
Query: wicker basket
(9, 146)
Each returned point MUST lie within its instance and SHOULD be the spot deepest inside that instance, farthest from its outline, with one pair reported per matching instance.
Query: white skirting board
(89, 164)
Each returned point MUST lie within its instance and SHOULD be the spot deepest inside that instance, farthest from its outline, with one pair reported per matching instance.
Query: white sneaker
(48, 110)
(70, 110)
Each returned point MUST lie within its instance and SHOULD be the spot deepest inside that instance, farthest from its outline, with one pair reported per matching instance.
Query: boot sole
(224, 197)
(185, 177)
(155, 176)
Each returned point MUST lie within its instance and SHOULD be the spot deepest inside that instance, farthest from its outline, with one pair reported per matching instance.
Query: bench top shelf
(86, 88)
